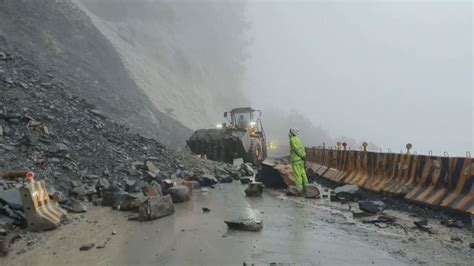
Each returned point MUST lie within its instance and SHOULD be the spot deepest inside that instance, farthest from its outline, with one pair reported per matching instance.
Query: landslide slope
(63, 43)
(65, 140)
(187, 56)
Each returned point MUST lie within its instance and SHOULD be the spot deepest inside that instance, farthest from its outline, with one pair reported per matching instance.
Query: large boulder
(155, 207)
(74, 206)
(120, 200)
(222, 175)
(245, 180)
(348, 192)
(189, 184)
(179, 193)
(227, 179)
(245, 225)
(12, 198)
(275, 174)
(246, 169)
(205, 180)
(151, 168)
(254, 189)
(312, 192)
(233, 171)
(101, 186)
(134, 186)
(371, 206)
(294, 191)
(152, 190)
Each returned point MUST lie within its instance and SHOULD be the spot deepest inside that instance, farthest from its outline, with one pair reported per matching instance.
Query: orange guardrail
(434, 181)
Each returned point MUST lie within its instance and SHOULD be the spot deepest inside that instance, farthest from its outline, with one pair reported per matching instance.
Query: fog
(383, 72)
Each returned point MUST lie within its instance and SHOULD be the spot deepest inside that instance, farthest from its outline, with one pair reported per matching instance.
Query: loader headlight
(252, 124)
(272, 145)
(219, 126)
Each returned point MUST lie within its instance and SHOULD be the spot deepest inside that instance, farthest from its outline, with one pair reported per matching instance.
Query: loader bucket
(217, 144)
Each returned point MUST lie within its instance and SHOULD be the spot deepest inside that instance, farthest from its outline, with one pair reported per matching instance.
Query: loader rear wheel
(255, 153)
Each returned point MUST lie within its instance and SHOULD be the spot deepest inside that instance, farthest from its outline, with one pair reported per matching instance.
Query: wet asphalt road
(291, 234)
(296, 231)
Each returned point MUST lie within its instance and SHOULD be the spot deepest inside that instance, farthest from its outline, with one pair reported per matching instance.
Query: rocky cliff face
(187, 56)
(63, 43)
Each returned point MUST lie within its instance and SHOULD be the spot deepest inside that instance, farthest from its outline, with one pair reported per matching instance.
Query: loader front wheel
(255, 153)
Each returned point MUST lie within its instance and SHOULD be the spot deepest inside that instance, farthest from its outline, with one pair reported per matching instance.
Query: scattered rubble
(381, 219)
(227, 179)
(153, 190)
(11, 197)
(81, 154)
(121, 201)
(58, 196)
(293, 191)
(6, 223)
(74, 206)
(87, 246)
(271, 174)
(423, 226)
(7, 240)
(205, 180)
(312, 192)
(223, 175)
(348, 192)
(103, 243)
(245, 225)
(246, 170)
(205, 209)
(453, 223)
(456, 239)
(358, 213)
(155, 207)
(179, 193)
(371, 206)
(254, 189)
(245, 180)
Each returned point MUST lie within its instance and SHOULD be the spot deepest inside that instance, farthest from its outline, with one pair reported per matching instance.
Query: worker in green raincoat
(298, 158)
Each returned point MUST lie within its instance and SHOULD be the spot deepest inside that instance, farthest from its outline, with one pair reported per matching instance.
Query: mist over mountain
(187, 56)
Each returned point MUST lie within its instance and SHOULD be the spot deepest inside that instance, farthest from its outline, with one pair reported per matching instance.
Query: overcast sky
(386, 72)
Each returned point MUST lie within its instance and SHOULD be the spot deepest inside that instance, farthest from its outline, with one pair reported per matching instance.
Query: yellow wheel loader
(243, 137)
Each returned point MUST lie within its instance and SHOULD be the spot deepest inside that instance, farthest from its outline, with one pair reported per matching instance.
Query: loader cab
(248, 123)
(245, 118)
